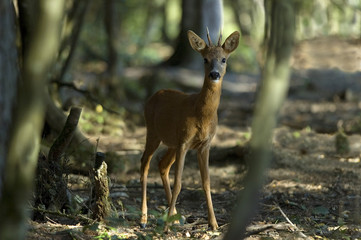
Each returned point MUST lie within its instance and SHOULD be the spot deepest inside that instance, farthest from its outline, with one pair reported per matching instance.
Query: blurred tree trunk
(27, 119)
(240, 10)
(55, 117)
(70, 35)
(8, 79)
(250, 18)
(112, 36)
(28, 16)
(274, 86)
(258, 23)
(183, 54)
(212, 17)
(112, 23)
(163, 9)
(196, 16)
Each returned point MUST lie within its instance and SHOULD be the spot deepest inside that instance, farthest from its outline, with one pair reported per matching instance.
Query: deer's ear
(231, 42)
(196, 42)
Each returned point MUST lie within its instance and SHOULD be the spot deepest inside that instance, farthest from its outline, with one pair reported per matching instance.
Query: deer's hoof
(213, 226)
(143, 225)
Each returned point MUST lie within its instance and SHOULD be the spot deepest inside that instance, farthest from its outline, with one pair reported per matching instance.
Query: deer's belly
(190, 138)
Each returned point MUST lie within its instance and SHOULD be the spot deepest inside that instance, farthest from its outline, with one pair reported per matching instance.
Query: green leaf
(296, 134)
(175, 217)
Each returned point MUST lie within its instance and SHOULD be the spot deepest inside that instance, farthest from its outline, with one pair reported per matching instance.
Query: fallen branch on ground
(60, 214)
(256, 229)
(291, 223)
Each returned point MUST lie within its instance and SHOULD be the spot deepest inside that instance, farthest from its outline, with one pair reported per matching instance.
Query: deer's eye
(223, 60)
(205, 60)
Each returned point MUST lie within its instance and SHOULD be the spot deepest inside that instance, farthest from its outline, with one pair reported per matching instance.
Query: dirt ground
(312, 191)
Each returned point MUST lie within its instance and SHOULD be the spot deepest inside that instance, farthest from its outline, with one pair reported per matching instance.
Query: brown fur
(182, 122)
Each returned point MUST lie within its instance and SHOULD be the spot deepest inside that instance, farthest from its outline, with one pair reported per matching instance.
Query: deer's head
(215, 56)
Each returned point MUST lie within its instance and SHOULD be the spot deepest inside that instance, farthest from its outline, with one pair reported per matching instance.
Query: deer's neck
(208, 100)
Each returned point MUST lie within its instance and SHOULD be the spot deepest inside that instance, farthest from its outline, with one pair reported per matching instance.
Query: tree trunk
(110, 24)
(51, 186)
(252, 29)
(27, 19)
(24, 141)
(8, 79)
(113, 82)
(196, 16)
(212, 17)
(258, 23)
(70, 36)
(271, 96)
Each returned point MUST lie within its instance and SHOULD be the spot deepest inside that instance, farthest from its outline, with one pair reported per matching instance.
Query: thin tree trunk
(271, 96)
(24, 142)
(111, 30)
(112, 23)
(69, 42)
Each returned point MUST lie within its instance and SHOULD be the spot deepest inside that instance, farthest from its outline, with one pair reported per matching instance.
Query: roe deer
(186, 121)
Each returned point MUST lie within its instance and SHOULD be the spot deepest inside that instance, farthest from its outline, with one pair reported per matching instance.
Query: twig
(152, 186)
(291, 223)
(57, 213)
(252, 230)
(50, 220)
(196, 222)
(81, 203)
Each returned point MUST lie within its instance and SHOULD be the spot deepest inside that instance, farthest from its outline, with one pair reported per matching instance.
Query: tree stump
(62, 142)
(101, 207)
(51, 186)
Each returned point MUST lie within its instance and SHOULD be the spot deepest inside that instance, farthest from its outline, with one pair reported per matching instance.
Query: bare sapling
(186, 121)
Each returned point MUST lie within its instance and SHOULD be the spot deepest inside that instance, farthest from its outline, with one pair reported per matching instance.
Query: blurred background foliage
(148, 30)
(124, 49)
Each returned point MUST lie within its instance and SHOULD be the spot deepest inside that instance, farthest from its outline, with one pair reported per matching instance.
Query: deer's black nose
(214, 75)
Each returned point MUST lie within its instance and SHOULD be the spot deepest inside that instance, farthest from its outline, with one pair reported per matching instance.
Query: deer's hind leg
(152, 143)
(164, 166)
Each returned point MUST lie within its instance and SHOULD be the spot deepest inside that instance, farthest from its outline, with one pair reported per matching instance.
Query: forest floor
(311, 191)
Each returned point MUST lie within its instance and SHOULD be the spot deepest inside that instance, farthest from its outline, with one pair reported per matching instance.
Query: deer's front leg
(203, 157)
(164, 166)
(180, 157)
